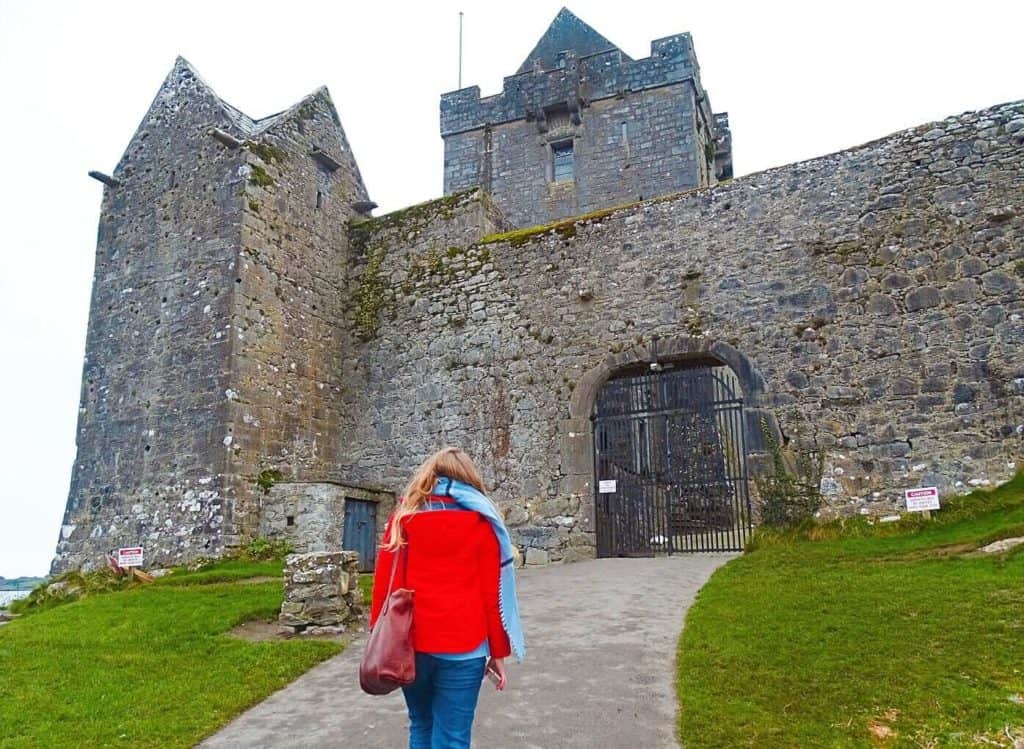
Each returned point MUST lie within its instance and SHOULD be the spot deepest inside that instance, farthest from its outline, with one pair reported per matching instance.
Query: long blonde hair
(448, 461)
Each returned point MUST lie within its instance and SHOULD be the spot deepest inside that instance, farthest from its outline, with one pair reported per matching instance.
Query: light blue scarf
(470, 498)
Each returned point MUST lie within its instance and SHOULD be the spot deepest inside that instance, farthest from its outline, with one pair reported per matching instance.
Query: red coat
(453, 567)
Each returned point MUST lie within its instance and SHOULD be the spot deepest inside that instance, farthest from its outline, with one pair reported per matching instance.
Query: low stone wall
(321, 592)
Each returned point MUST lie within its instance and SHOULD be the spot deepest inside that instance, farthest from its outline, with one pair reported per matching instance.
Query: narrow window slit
(562, 162)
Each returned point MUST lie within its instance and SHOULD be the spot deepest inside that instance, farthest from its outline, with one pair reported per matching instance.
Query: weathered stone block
(973, 266)
(579, 553)
(997, 282)
(922, 298)
(536, 557)
(964, 290)
(881, 304)
(320, 589)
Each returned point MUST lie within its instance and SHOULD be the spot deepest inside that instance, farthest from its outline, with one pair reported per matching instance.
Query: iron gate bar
(674, 443)
(733, 403)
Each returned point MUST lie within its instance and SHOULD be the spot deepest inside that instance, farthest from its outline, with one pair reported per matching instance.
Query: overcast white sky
(798, 80)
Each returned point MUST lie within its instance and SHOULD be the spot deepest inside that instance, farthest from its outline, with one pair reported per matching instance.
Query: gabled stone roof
(246, 125)
(566, 32)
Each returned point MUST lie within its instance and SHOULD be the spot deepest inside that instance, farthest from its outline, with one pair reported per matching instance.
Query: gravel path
(601, 639)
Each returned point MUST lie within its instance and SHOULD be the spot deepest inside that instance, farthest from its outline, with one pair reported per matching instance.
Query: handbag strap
(405, 566)
(394, 568)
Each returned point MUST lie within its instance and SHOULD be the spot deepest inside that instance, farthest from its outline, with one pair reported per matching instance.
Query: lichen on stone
(369, 296)
(308, 110)
(444, 264)
(267, 151)
(258, 176)
(411, 219)
(565, 228)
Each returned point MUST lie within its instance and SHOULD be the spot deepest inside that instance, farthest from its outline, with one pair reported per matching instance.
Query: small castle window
(319, 199)
(563, 165)
(289, 520)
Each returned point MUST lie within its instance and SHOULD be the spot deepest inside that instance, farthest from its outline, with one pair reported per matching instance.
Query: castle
(620, 333)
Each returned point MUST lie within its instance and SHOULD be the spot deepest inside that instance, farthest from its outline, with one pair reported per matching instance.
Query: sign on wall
(130, 556)
(920, 500)
(606, 486)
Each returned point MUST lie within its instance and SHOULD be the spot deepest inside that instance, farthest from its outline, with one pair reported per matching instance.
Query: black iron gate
(670, 463)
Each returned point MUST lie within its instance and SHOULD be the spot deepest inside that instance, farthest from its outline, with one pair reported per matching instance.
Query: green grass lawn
(229, 570)
(366, 586)
(870, 635)
(150, 666)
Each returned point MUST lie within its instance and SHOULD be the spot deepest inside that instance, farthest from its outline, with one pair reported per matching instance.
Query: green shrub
(266, 549)
(268, 478)
(70, 586)
(791, 492)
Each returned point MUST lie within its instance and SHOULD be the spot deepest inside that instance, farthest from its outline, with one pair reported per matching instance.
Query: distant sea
(6, 596)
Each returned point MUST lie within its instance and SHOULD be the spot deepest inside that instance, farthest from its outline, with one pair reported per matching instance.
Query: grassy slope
(149, 666)
(227, 571)
(811, 643)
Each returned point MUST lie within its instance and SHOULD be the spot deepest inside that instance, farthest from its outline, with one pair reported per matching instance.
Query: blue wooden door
(360, 533)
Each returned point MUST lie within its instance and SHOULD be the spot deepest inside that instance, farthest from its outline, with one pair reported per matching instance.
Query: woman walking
(458, 560)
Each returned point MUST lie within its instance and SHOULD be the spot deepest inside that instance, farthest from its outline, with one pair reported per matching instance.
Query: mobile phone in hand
(493, 676)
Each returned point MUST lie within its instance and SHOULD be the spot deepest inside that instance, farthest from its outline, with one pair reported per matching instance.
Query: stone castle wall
(392, 254)
(873, 295)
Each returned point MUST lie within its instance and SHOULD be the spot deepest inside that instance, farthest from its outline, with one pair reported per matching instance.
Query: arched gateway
(671, 439)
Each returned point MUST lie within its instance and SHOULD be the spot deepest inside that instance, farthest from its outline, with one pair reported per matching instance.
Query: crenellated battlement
(577, 81)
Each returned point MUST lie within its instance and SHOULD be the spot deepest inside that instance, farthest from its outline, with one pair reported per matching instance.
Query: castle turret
(213, 314)
(582, 126)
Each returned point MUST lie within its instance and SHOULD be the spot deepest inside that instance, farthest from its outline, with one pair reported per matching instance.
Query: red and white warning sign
(925, 498)
(130, 556)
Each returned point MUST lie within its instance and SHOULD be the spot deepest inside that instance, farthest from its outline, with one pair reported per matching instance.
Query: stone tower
(581, 126)
(214, 327)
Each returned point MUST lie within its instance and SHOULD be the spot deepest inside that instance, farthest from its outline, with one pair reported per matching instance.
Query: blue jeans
(442, 701)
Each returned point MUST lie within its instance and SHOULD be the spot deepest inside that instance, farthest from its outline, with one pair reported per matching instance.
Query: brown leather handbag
(390, 659)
